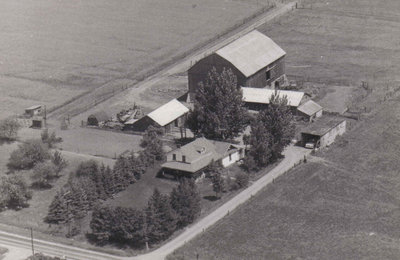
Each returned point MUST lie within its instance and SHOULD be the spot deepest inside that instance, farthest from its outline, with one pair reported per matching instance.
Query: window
(268, 75)
(183, 158)
(174, 157)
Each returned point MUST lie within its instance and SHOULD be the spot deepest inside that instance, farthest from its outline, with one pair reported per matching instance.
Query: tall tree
(152, 144)
(28, 155)
(218, 107)
(185, 200)
(160, 217)
(14, 192)
(278, 120)
(218, 184)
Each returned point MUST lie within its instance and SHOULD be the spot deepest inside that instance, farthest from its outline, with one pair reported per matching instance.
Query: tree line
(163, 215)
(91, 182)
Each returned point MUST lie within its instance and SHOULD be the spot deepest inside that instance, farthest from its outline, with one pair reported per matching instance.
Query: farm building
(38, 122)
(255, 59)
(33, 110)
(170, 115)
(96, 118)
(323, 132)
(191, 159)
(258, 98)
(309, 110)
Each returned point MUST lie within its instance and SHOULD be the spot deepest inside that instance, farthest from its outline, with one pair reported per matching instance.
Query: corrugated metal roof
(251, 52)
(309, 108)
(168, 112)
(263, 95)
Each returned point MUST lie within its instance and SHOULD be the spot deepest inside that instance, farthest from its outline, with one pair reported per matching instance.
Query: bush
(9, 129)
(241, 181)
(28, 155)
(40, 256)
(42, 174)
(59, 162)
(14, 193)
(50, 138)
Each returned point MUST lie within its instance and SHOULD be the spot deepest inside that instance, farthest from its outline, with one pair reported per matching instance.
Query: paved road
(292, 156)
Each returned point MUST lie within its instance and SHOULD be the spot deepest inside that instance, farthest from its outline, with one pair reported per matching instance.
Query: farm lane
(292, 154)
(135, 91)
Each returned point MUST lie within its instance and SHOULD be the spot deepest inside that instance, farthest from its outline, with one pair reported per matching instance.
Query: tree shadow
(211, 198)
(6, 141)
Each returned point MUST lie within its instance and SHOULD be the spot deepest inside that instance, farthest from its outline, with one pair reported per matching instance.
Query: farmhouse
(323, 132)
(96, 118)
(168, 116)
(258, 98)
(191, 159)
(33, 110)
(255, 59)
(309, 110)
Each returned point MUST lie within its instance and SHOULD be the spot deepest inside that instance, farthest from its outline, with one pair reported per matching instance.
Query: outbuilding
(323, 132)
(33, 110)
(309, 110)
(259, 98)
(97, 117)
(255, 59)
(168, 116)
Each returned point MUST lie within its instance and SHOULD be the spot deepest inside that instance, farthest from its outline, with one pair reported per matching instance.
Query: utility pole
(33, 250)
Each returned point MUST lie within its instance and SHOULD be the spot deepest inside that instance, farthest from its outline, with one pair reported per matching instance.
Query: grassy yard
(55, 51)
(344, 203)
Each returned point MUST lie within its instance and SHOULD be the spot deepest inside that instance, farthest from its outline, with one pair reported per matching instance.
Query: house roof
(309, 108)
(322, 126)
(100, 116)
(251, 52)
(33, 107)
(263, 95)
(199, 153)
(168, 112)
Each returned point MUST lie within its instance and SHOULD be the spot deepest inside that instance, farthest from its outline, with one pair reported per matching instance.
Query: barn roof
(263, 95)
(100, 116)
(168, 112)
(251, 52)
(309, 108)
(322, 126)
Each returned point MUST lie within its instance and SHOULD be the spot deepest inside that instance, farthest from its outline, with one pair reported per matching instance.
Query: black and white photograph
(199, 129)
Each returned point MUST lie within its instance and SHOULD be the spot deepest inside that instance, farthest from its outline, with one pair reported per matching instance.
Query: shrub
(241, 181)
(14, 193)
(9, 129)
(43, 173)
(28, 155)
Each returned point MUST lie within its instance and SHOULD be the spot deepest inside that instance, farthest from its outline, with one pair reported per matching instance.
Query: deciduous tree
(28, 155)
(14, 193)
(185, 200)
(218, 107)
(9, 129)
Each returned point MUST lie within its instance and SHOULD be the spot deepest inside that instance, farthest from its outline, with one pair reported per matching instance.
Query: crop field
(53, 51)
(344, 203)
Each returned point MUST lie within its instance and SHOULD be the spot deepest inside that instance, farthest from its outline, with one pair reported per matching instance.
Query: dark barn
(255, 59)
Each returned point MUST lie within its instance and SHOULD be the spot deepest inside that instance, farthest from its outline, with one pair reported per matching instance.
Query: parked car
(309, 145)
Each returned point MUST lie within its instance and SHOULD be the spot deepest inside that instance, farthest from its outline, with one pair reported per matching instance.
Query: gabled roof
(33, 107)
(168, 112)
(199, 154)
(251, 52)
(309, 108)
(263, 95)
(322, 126)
